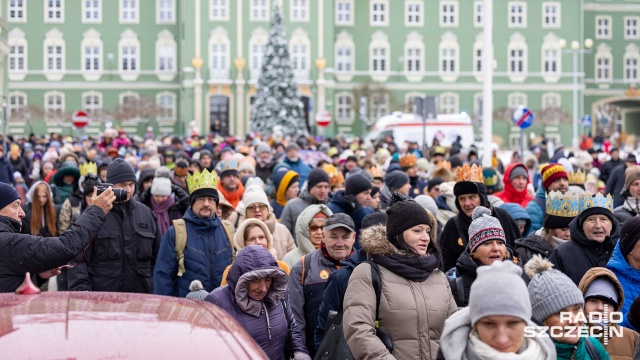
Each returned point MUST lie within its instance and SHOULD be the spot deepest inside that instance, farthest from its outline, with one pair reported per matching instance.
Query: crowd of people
(328, 248)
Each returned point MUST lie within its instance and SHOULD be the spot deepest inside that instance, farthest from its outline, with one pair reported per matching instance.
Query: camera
(121, 194)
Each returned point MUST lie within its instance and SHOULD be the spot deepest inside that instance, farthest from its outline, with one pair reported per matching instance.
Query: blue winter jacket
(341, 205)
(628, 277)
(6, 171)
(517, 212)
(206, 255)
(300, 167)
(536, 212)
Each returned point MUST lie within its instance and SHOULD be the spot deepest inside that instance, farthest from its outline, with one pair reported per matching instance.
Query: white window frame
(54, 38)
(413, 13)
(15, 8)
(414, 57)
(551, 55)
(409, 98)
(556, 24)
(478, 14)
(601, 29)
(18, 37)
(91, 38)
(220, 39)
(162, 118)
(259, 10)
(15, 106)
(135, 11)
(299, 10)
(170, 10)
(379, 106)
(129, 39)
(300, 60)
(166, 42)
(448, 10)
(513, 16)
(17, 58)
(49, 108)
(94, 106)
(344, 16)
(378, 16)
(219, 10)
(344, 40)
(379, 56)
(517, 43)
(345, 108)
(603, 54)
(258, 40)
(449, 51)
(632, 32)
(53, 10)
(551, 100)
(449, 103)
(96, 17)
(631, 72)
(516, 99)
(478, 57)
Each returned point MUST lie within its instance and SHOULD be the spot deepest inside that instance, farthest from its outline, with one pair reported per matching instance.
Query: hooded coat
(629, 279)
(295, 207)
(574, 258)
(518, 212)
(412, 313)
(282, 180)
(510, 194)
(305, 246)
(615, 184)
(239, 243)
(145, 174)
(343, 204)
(536, 209)
(619, 348)
(455, 344)
(265, 320)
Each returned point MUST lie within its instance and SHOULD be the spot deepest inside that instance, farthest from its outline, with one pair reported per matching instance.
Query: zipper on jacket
(266, 314)
(210, 259)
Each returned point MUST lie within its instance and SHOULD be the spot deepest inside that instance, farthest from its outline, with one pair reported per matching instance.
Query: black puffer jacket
(580, 254)
(123, 254)
(532, 245)
(23, 253)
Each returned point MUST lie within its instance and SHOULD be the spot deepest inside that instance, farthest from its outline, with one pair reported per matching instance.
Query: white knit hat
(255, 196)
(161, 186)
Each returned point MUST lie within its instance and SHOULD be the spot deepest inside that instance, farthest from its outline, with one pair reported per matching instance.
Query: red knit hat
(552, 172)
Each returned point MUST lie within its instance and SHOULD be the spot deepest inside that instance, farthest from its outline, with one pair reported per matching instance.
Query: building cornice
(612, 7)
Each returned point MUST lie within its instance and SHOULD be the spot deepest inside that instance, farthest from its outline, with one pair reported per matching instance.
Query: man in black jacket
(42, 256)
(124, 251)
(609, 165)
(616, 180)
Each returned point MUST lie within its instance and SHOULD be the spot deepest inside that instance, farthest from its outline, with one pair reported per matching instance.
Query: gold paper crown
(466, 173)
(563, 205)
(88, 168)
(202, 180)
(376, 172)
(408, 161)
(577, 178)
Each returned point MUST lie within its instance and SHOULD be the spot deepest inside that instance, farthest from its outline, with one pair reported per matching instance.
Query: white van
(407, 127)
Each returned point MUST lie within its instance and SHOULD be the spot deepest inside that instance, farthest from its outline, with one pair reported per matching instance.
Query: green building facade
(198, 61)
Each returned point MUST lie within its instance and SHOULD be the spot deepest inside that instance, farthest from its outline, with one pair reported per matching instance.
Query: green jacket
(579, 350)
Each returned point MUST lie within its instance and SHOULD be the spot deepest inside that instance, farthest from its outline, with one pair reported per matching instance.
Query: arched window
(54, 55)
(631, 58)
(219, 54)
(257, 43)
(517, 55)
(449, 53)
(299, 49)
(603, 63)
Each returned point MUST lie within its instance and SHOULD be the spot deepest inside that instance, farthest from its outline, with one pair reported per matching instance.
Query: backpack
(181, 241)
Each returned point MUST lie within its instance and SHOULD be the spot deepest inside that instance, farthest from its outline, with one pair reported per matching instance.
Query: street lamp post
(575, 50)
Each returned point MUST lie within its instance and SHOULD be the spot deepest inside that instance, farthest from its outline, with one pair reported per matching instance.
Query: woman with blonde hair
(40, 212)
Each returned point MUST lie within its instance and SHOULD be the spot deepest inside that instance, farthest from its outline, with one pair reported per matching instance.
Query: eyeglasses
(314, 228)
(261, 207)
(205, 199)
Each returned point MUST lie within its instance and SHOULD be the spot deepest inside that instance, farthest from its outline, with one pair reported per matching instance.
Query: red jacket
(511, 195)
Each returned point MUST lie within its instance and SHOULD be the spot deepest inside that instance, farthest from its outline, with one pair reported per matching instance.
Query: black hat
(89, 182)
(8, 194)
(404, 213)
(120, 171)
(356, 184)
(378, 218)
(434, 182)
(396, 179)
(556, 222)
(631, 158)
(317, 176)
(455, 162)
(629, 234)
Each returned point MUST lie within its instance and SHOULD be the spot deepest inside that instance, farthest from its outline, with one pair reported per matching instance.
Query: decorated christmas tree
(277, 101)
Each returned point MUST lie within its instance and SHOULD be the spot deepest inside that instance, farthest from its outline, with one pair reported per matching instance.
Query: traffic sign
(80, 119)
(522, 117)
(323, 118)
(586, 121)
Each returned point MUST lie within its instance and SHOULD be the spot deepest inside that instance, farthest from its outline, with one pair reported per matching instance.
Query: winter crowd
(329, 249)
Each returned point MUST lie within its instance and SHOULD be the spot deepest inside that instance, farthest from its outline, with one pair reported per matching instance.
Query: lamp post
(575, 50)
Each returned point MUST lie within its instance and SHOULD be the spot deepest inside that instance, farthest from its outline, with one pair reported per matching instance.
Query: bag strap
(591, 350)
(181, 242)
(460, 289)
(376, 281)
(230, 231)
(306, 264)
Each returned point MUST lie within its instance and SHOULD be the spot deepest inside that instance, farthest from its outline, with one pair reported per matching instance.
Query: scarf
(632, 205)
(233, 197)
(162, 212)
(481, 351)
(325, 253)
(412, 268)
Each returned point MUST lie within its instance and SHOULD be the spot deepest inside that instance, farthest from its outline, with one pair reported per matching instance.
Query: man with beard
(470, 193)
(206, 159)
(264, 162)
(231, 187)
(206, 246)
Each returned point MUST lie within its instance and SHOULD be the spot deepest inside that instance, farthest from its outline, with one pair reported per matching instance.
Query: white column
(487, 88)
(576, 141)
(197, 62)
(239, 63)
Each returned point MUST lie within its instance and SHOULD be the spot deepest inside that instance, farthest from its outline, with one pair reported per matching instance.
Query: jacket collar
(10, 225)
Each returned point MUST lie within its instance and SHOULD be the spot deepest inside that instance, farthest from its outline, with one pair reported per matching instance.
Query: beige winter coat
(412, 313)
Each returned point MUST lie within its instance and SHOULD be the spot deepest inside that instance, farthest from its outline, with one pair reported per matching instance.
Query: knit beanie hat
(631, 174)
(422, 164)
(356, 184)
(602, 288)
(205, 152)
(499, 290)
(255, 196)
(7, 195)
(247, 166)
(164, 172)
(197, 291)
(396, 179)
(519, 170)
(161, 186)
(263, 148)
(629, 235)
(552, 172)
(549, 290)
(378, 218)
(120, 171)
(483, 228)
(428, 203)
(317, 176)
(434, 182)
(403, 214)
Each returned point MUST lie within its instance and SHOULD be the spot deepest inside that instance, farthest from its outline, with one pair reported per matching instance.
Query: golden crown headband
(577, 178)
(88, 168)
(202, 180)
(466, 173)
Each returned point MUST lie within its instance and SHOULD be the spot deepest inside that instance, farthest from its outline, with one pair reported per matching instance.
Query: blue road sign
(586, 121)
(523, 117)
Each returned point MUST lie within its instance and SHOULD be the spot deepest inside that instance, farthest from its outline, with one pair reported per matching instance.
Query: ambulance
(407, 127)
